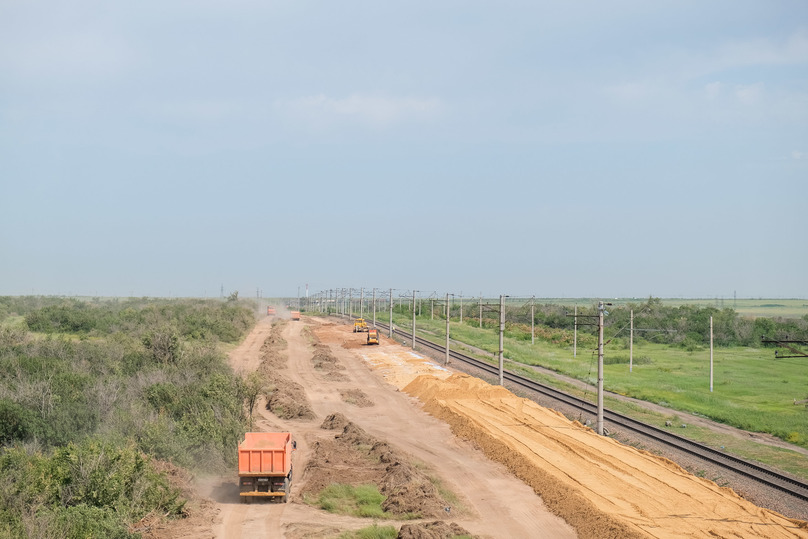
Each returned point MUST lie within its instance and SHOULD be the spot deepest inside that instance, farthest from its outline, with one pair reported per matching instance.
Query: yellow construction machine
(360, 326)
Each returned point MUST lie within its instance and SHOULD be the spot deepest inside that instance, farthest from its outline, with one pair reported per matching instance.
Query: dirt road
(493, 503)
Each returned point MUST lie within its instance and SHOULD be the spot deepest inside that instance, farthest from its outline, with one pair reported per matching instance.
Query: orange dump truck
(295, 315)
(270, 311)
(265, 465)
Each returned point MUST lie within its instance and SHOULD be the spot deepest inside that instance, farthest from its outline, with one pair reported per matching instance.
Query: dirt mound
(326, 363)
(334, 421)
(288, 400)
(355, 436)
(306, 530)
(409, 491)
(355, 457)
(356, 397)
(284, 398)
(354, 344)
(272, 356)
(432, 530)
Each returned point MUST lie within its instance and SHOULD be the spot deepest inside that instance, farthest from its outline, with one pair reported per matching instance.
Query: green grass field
(772, 308)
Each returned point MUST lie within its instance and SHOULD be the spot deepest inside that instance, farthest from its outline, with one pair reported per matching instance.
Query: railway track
(772, 479)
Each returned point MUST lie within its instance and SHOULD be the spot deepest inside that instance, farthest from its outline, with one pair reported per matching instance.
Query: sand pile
(601, 487)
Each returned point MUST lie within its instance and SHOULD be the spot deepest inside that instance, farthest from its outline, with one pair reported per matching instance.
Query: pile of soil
(326, 363)
(285, 398)
(356, 397)
(354, 457)
(358, 342)
(336, 421)
(431, 530)
(272, 356)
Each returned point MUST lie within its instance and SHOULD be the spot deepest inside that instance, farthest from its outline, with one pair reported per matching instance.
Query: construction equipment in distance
(270, 311)
(265, 466)
(360, 325)
(373, 336)
(295, 315)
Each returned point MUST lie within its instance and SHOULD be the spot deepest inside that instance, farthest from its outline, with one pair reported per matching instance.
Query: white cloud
(375, 111)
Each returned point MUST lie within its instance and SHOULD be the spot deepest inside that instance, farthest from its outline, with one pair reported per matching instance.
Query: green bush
(89, 489)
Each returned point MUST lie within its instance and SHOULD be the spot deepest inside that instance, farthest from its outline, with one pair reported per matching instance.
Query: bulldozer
(360, 325)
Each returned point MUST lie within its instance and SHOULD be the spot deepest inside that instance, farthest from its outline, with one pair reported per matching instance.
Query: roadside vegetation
(99, 398)
(670, 363)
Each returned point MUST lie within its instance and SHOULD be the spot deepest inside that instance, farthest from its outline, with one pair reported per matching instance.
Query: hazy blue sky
(624, 148)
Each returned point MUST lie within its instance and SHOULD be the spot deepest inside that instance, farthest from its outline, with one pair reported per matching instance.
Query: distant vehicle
(270, 311)
(360, 325)
(373, 336)
(295, 315)
(265, 466)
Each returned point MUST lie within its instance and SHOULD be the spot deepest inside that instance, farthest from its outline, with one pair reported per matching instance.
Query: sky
(556, 149)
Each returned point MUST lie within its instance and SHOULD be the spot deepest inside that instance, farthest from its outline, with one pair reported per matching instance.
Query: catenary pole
(501, 338)
(711, 354)
(413, 319)
(446, 361)
(391, 313)
(631, 344)
(600, 369)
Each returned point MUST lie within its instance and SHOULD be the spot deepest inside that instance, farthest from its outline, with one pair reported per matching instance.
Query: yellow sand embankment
(599, 486)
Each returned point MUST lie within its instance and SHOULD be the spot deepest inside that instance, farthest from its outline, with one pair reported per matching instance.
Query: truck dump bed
(265, 454)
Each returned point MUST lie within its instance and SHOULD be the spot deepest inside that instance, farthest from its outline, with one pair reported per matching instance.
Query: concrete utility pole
(533, 320)
(461, 307)
(391, 313)
(374, 307)
(631, 344)
(600, 368)
(575, 335)
(711, 354)
(413, 319)
(501, 339)
(446, 361)
(431, 309)
(362, 302)
(481, 310)
(350, 303)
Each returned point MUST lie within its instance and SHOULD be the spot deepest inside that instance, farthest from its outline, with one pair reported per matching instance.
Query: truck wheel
(286, 488)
